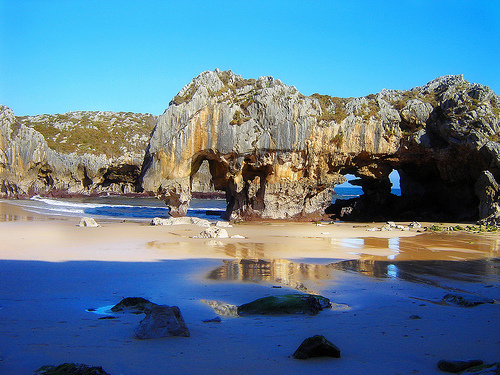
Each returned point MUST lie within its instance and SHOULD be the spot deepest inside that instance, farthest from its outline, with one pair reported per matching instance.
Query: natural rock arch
(278, 153)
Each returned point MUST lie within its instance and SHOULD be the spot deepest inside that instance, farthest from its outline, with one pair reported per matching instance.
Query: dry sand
(51, 271)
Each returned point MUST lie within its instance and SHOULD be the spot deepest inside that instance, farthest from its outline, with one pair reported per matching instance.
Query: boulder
(70, 369)
(484, 369)
(222, 308)
(223, 224)
(487, 190)
(415, 225)
(135, 305)
(457, 366)
(213, 232)
(285, 304)
(200, 222)
(88, 222)
(162, 321)
(316, 346)
(275, 305)
(183, 220)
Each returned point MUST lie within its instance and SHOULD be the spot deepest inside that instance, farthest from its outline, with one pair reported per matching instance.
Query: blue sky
(59, 56)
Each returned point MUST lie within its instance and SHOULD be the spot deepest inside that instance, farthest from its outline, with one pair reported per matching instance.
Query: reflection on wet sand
(281, 271)
(10, 217)
(426, 271)
(425, 259)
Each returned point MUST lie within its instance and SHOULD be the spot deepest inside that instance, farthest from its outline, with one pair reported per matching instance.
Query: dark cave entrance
(364, 198)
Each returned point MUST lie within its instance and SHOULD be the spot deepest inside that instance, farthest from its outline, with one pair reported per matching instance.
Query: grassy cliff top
(110, 133)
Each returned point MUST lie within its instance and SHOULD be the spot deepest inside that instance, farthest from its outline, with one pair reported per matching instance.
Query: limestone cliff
(278, 153)
(71, 154)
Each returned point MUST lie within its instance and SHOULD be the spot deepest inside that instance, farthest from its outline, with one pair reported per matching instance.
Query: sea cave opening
(208, 197)
(365, 198)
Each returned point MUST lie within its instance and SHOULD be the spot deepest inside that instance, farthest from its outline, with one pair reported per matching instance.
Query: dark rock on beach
(134, 305)
(70, 369)
(217, 319)
(316, 346)
(485, 369)
(162, 321)
(466, 301)
(457, 366)
(274, 305)
(285, 304)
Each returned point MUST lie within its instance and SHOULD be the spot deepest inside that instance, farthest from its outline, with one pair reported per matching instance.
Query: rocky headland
(277, 154)
(76, 153)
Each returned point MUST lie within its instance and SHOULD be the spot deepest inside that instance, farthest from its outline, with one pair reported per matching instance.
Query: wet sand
(52, 271)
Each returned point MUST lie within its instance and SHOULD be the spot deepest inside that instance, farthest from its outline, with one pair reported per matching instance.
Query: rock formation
(278, 154)
(77, 153)
(316, 346)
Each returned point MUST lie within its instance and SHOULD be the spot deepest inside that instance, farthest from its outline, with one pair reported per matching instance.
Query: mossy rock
(133, 304)
(286, 304)
(70, 369)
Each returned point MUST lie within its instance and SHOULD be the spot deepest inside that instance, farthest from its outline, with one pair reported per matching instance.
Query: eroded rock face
(278, 153)
(76, 153)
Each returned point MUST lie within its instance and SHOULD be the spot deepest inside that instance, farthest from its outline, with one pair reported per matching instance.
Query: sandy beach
(391, 284)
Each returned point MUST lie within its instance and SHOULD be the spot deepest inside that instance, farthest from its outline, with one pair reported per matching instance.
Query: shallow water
(428, 258)
(110, 207)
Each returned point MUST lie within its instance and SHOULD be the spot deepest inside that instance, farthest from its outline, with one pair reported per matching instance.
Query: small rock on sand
(88, 222)
(162, 321)
(70, 368)
(457, 366)
(213, 232)
(316, 346)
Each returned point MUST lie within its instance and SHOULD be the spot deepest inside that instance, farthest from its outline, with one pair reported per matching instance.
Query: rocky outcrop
(77, 153)
(278, 154)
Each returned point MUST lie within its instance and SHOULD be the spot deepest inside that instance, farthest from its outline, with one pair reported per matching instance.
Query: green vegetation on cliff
(109, 133)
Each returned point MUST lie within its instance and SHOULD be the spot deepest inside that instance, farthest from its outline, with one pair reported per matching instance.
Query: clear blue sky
(66, 55)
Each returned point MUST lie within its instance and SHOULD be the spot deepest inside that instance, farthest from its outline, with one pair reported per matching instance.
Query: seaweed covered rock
(286, 304)
(316, 346)
(135, 305)
(70, 369)
(162, 321)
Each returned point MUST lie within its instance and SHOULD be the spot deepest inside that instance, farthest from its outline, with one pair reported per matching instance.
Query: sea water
(118, 207)
(141, 208)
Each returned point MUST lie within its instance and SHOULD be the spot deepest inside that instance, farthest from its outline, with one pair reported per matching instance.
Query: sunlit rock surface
(76, 153)
(278, 154)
